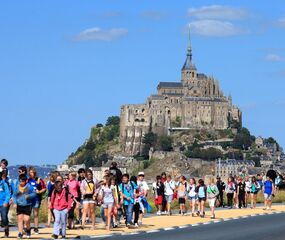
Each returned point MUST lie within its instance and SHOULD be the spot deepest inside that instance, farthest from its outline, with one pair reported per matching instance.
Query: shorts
(181, 200)
(158, 200)
(248, 192)
(200, 199)
(26, 210)
(36, 204)
(192, 199)
(107, 205)
(267, 196)
(212, 202)
(254, 193)
(168, 198)
(88, 200)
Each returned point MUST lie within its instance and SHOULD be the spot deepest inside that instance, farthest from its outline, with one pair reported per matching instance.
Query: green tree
(149, 140)
(243, 140)
(113, 120)
(165, 143)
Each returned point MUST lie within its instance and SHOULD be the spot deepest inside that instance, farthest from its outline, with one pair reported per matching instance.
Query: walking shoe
(159, 213)
(36, 230)
(28, 233)
(20, 236)
(193, 215)
(54, 236)
(63, 237)
(198, 213)
(6, 233)
(213, 216)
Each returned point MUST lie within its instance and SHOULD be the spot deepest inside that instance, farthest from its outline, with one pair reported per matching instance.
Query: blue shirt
(268, 187)
(5, 194)
(128, 189)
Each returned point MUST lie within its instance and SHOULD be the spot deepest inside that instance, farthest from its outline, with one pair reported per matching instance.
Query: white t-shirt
(107, 194)
(247, 186)
(169, 187)
(142, 185)
(192, 192)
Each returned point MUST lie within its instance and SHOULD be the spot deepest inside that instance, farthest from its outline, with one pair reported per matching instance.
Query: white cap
(141, 173)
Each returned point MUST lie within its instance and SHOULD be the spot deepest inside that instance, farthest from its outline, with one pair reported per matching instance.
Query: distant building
(259, 142)
(232, 167)
(196, 102)
(98, 172)
(62, 168)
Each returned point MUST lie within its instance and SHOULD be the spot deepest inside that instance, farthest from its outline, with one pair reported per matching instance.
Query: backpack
(43, 195)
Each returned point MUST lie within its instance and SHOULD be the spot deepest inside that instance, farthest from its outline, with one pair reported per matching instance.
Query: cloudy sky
(67, 65)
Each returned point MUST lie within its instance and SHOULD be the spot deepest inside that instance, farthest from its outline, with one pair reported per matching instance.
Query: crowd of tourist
(73, 198)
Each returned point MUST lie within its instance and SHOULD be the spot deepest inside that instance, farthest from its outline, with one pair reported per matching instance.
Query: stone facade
(195, 102)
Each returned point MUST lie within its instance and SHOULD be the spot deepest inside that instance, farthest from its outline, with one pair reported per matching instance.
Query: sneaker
(20, 236)
(28, 233)
(213, 216)
(63, 237)
(193, 215)
(136, 225)
(6, 233)
(36, 231)
(159, 213)
(198, 213)
(54, 236)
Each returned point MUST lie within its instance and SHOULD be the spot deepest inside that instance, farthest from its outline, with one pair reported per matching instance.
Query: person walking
(268, 191)
(169, 187)
(212, 193)
(39, 185)
(5, 196)
(253, 191)
(23, 199)
(221, 187)
(127, 190)
(60, 205)
(143, 191)
(230, 189)
(182, 192)
(201, 191)
(88, 189)
(241, 193)
(158, 191)
(192, 196)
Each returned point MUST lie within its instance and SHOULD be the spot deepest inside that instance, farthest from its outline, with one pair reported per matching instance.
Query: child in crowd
(268, 191)
(253, 191)
(50, 188)
(127, 189)
(247, 190)
(169, 187)
(88, 189)
(74, 188)
(241, 193)
(201, 191)
(182, 192)
(158, 190)
(230, 189)
(39, 185)
(23, 197)
(192, 195)
(5, 196)
(212, 193)
(60, 205)
(108, 200)
(116, 207)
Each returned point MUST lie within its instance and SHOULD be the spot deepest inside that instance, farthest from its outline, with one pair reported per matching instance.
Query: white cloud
(281, 22)
(273, 57)
(98, 34)
(215, 28)
(218, 12)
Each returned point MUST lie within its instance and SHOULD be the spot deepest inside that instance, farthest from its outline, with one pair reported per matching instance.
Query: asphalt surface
(253, 228)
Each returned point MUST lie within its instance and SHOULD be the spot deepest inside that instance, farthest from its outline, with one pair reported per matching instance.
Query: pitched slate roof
(170, 85)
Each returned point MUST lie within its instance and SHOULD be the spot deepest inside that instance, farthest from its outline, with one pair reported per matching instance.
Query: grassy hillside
(102, 143)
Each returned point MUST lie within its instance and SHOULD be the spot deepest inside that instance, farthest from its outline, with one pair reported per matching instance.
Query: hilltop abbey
(195, 102)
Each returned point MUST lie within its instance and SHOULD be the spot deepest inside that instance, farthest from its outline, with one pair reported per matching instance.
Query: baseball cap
(141, 174)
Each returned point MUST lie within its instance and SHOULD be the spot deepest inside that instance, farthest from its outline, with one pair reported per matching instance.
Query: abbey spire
(188, 62)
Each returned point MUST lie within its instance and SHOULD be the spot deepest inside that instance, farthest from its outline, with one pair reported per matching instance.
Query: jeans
(60, 222)
(129, 212)
(4, 215)
(230, 197)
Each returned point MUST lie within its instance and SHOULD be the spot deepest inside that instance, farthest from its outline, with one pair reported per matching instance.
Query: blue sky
(67, 65)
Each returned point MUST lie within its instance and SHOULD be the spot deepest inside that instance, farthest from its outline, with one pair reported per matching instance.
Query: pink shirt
(58, 200)
(73, 187)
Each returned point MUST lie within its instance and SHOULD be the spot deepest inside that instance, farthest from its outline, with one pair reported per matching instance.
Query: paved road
(252, 228)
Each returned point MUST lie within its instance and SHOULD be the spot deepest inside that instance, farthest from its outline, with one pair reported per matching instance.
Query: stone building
(195, 102)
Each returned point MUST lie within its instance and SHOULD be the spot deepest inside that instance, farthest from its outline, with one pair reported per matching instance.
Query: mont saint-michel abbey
(195, 102)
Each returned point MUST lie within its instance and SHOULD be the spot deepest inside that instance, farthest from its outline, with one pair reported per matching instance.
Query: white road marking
(102, 236)
(206, 223)
(195, 225)
(227, 219)
(183, 226)
(152, 231)
(169, 228)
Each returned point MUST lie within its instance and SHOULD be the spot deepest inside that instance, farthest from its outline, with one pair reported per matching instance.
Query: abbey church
(195, 102)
